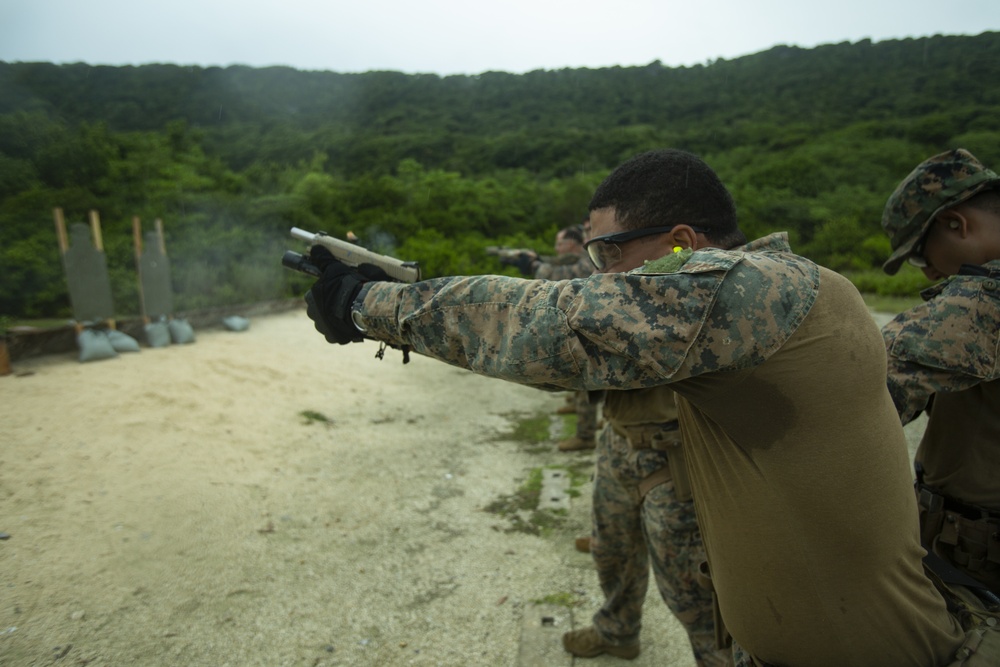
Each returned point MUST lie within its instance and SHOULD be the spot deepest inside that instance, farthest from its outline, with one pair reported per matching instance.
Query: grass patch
(520, 508)
(568, 600)
(568, 425)
(530, 431)
(311, 416)
(579, 474)
(534, 432)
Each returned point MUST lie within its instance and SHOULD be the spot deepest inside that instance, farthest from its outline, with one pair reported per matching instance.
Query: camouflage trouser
(586, 415)
(743, 659)
(627, 530)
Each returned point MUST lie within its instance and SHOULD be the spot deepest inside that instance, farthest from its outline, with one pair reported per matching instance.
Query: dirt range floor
(264, 498)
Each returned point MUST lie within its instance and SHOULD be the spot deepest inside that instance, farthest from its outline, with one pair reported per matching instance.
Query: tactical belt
(650, 436)
(935, 501)
(951, 576)
(966, 535)
(932, 500)
(661, 437)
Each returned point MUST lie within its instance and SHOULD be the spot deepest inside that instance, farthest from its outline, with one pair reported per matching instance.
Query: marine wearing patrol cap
(939, 182)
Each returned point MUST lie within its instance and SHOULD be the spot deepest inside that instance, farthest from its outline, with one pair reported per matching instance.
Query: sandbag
(181, 332)
(157, 334)
(236, 323)
(94, 345)
(122, 342)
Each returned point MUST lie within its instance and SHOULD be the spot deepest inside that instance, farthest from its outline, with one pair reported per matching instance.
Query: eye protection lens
(603, 254)
(916, 257)
(604, 250)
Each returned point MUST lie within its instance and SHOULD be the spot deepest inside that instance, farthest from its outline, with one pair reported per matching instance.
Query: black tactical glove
(525, 263)
(330, 300)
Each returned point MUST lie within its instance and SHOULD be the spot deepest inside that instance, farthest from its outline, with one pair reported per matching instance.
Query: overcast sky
(457, 36)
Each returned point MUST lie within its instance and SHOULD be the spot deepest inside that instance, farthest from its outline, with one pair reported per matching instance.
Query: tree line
(434, 169)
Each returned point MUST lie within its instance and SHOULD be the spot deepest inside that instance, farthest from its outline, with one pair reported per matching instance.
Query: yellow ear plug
(677, 248)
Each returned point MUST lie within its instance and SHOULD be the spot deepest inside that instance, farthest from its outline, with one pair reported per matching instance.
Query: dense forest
(434, 169)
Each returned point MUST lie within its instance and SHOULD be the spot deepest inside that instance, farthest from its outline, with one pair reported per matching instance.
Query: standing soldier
(643, 515)
(796, 458)
(570, 262)
(944, 218)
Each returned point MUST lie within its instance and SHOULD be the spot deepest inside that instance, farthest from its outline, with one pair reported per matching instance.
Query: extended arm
(944, 345)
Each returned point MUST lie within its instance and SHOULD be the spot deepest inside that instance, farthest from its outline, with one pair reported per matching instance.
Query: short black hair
(988, 201)
(573, 233)
(669, 187)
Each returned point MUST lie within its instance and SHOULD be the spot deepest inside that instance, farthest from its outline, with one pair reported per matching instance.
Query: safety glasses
(916, 256)
(605, 250)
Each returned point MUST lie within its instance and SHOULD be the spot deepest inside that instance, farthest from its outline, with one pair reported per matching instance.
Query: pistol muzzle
(300, 263)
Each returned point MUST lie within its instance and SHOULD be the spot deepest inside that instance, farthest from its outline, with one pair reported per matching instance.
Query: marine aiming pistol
(521, 258)
(348, 253)
(508, 255)
(352, 255)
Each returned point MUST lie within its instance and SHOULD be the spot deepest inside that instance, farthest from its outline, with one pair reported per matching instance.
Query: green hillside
(435, 168)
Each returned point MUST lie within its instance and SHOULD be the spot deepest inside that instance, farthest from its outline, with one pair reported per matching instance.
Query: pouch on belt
(966, 535)
(663, 437)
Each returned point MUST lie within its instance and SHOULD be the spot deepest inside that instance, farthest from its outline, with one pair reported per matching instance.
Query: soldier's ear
(953, 219)
(685, 237)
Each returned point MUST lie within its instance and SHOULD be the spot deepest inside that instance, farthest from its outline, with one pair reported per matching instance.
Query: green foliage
(434, 169)
(890, 304)
(907, 282)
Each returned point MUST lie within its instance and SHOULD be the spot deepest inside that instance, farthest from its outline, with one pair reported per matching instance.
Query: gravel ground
(176, 507)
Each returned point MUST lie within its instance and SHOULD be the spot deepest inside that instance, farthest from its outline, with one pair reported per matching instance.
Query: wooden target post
(156, 295)
(86, 268)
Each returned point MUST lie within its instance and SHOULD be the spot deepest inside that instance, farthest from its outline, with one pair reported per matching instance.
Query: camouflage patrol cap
(937, 183)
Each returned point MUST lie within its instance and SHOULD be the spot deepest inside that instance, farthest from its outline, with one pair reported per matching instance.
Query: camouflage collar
(710, 258)
(993, 266)
(990, 269)
(776, 242)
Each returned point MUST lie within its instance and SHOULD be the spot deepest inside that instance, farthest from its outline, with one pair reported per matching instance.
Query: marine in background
(570, 262)
(944, 219)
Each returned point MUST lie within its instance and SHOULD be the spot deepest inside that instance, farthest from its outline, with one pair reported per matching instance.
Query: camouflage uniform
(795, 454)
(632, 527)
(643, 515)
(567, 267)
(943, 359)
(946, 350)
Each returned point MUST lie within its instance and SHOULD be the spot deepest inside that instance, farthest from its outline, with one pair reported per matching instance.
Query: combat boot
(587, 643)
(576, 444)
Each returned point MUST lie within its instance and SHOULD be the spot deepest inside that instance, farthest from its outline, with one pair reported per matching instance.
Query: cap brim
(899, 255)
(896, 259)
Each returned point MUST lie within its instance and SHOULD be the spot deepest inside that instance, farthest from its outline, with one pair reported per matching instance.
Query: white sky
(457, 36)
